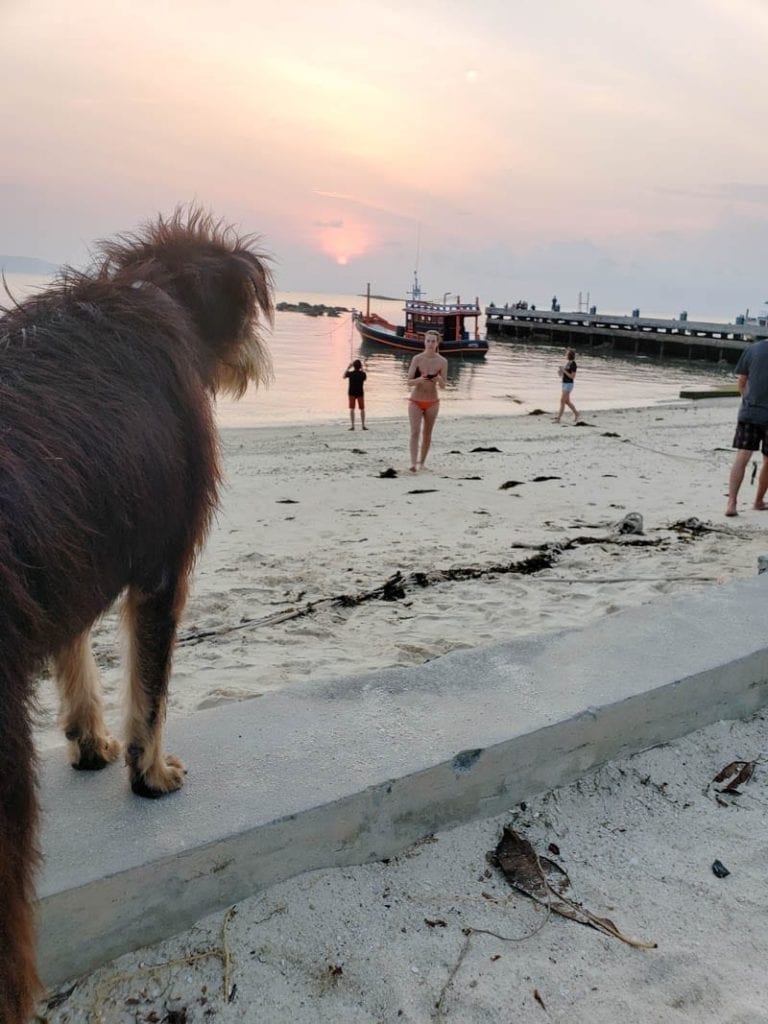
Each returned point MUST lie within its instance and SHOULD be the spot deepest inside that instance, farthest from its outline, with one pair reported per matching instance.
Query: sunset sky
(514, 148)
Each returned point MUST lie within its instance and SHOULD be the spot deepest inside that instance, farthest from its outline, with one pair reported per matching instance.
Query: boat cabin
(452, 320)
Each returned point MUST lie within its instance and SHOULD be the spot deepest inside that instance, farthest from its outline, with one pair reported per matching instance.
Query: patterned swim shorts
(750, 436)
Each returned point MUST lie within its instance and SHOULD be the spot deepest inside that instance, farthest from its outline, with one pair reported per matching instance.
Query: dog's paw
(166, 776)
(92, 753)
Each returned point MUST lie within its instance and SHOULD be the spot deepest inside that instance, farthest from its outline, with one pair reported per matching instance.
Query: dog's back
(108, 479)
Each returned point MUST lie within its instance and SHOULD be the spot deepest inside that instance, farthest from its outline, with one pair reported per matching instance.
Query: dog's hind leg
(19, 983)
(152, 621)
(91, 747)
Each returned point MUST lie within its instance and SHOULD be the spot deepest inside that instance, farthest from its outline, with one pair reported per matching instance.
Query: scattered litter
(610, 433)
(423, 490)
(388, 474)
(60, 997)
(719, 869)
(542, 479)
(472, 450)
(631, 523)
(510, 483)
(537, 412)
(539, 1000)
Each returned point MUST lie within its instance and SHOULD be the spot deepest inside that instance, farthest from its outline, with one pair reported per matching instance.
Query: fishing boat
(456, 322)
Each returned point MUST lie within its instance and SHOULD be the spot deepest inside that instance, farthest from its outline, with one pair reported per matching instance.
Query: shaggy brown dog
(108, 480)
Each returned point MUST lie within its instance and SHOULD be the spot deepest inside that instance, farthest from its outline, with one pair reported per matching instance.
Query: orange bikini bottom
(425, 403)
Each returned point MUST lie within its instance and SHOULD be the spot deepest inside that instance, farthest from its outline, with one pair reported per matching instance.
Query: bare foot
(760, 506)
(365, 428)
(413, 469)
(352, 428)
(731, 511)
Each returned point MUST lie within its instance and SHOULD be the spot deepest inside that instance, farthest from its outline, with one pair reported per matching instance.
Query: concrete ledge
(357, 769)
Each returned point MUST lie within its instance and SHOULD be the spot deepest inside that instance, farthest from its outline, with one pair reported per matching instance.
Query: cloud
(744, 192)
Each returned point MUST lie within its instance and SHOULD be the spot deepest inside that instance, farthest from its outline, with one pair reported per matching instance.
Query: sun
(346, 241)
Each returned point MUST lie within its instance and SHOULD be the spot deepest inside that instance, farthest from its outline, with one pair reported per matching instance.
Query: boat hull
(390, 338)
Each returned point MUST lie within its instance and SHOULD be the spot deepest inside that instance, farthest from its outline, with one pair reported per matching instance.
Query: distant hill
(26, 265)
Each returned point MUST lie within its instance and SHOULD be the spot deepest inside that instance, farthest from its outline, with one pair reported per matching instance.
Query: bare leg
(430, 415)
(743, 455)
(152, 619)
(91, 747)
(362, 418)
(415, 415)
(571, 406)
(352, 418)
(561, 410)
(762, 486)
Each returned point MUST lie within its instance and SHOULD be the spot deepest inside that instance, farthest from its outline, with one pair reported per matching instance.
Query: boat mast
(368, 299)
(416, 289)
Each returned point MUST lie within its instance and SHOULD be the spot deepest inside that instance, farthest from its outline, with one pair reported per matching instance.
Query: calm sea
(311, 354)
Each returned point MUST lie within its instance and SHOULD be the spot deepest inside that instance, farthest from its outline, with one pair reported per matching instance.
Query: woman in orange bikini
(427, 373)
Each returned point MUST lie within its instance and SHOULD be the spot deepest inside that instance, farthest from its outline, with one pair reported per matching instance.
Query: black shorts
(750, 436)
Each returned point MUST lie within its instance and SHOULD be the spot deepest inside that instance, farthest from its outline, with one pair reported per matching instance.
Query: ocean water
(310, 355)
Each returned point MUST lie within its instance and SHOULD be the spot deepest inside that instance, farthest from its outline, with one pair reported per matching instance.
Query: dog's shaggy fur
(108, 480)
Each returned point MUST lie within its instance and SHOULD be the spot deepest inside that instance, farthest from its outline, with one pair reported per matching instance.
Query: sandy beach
(307, 518)
(515, 529)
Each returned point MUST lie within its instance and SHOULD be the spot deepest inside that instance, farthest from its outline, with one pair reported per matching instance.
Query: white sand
(349, 531)
(637, 838)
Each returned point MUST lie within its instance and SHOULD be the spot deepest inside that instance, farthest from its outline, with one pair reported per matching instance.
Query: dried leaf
(744, 776)
(728, 771)
(734, 774)
(539, 1000)
(541, 878)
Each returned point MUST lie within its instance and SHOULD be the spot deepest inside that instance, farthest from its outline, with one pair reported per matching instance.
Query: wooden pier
(673, 339)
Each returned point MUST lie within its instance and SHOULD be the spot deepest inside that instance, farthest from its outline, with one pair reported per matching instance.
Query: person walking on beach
(567, 375)
(752, 424)
(427, 373)
(357, 377)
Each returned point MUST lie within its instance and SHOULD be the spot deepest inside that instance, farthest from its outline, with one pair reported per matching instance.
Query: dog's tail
(19, 983)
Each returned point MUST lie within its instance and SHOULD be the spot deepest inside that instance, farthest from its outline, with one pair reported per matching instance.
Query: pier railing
(677, 338)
